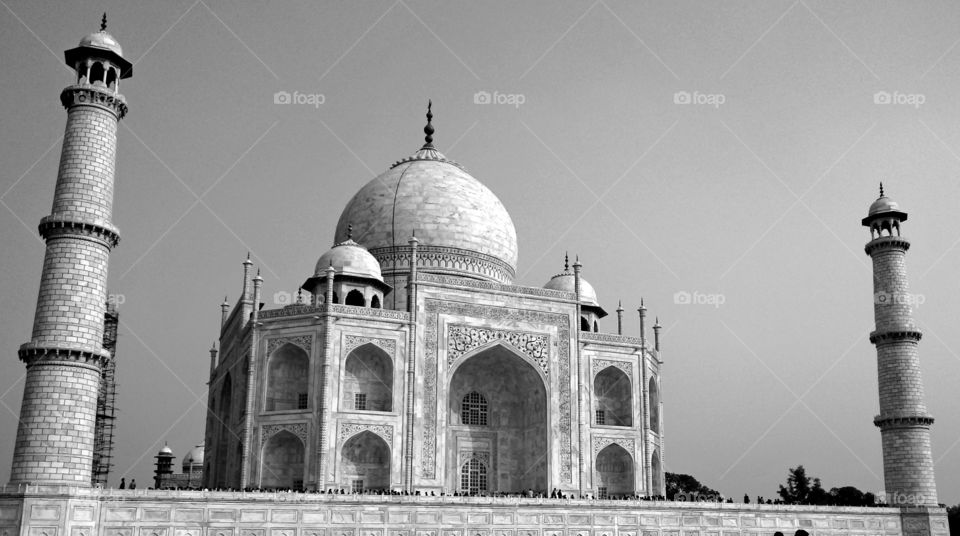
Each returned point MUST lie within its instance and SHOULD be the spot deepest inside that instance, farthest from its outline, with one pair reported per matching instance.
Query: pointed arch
(584, 324)
(613, 398)
(657, 473)
(96, 73)
(367, 380)
(375, 302)
(282, 461)
(224, 431)
(614, 472)
(654, 394)
(473, 477)
(355, 297)
(287, 379)
(365, 462)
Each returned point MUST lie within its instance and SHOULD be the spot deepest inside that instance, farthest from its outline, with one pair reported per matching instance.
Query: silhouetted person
(133, 483)
(123, 483)
(746, 499)
(801, 532)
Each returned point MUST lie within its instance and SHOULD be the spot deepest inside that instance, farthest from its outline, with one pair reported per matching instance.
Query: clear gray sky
(753, 191)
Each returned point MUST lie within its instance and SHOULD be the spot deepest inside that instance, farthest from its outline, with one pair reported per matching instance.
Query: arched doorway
(614, 472)
(657, 474)
(497, 408)
(365, 463)
(654, 406)
(367, 380)
(282, 462)
(613, 395)
(287, 375)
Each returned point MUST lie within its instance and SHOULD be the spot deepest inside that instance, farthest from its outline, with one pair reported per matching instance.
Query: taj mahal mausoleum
(413, 388)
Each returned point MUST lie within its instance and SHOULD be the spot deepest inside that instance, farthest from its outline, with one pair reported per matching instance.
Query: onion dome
(349, 260)
(194, 458)
(884, 207)
(165, 451)
(566, 281)
(462, 227)
(100, 44)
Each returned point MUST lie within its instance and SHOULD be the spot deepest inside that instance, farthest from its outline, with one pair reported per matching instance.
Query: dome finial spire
(103, 22)
(428, 130)
(881, 188)
(349, 231)
(566, 261)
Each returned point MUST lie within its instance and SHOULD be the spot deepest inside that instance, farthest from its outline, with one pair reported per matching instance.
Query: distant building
(190, 478)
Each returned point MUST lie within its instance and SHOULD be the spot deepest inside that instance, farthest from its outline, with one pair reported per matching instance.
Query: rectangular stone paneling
(9, 512)
(578, 519)
(670, 521)
(45, 512)
(748, 522)
(528, 532)
(604, 519)
(452, 518)
(399, 533)
(343, 517)
(220, 531)
(42, 531)
(553, 519)
(371, 517)
(120, 514)
(188, 514)
(154, 531)
(342, 532)
(252, 516)
(396, 518)
(313, 532)
(651, 533)
(223, 515)
(429, 518)
(283, 516)
(284, 531)
(473, 519)
(767, 522)
(189, 531)
(503, 532)
(553, 532)
(156, 514)
(314, 517)
(689, 521)
(527, 519)
(252, 532)
(118, 531)
(726, 522)
(628, 533)
(82, 513)
(503, 518)
(857, 524)
(821, 523)
(649, 521)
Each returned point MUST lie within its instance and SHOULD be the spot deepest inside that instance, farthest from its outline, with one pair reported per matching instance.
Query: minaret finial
(881, 188)
(349, 231)
(428, 130)
(103, 22)
(566, 262)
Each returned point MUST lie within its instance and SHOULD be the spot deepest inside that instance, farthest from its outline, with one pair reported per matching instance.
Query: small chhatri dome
(884, 207)
(166, 451)
(100, 44)
(350, 259)
(565, 281)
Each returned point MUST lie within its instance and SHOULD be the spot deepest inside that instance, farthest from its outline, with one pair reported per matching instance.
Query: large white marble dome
(462, 227)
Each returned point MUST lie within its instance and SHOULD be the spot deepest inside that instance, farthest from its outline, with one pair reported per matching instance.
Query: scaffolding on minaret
(106, 401)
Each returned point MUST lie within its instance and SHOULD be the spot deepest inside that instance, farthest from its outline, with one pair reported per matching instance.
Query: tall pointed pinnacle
(349, 231)
(428, 130)
(566, 262)
(881, 188)
(103, 22)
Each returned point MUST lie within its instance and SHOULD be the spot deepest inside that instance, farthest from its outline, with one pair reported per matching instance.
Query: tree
(850, 496)
(798, 486)
(686, 487)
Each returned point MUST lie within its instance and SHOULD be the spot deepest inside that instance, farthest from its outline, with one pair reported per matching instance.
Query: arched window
(287, 375)
(96, 73)
(282, 462)
(584, 324)
(654, 406)
(657, 472)
(336, 299)
(355, 297)
(368, 380)
(614, 399)
(473, 476)
(473, 409)
(615, 475)
(596, 327)
(111, 77)
(375, 302)
(365, 462)
(225, 433)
